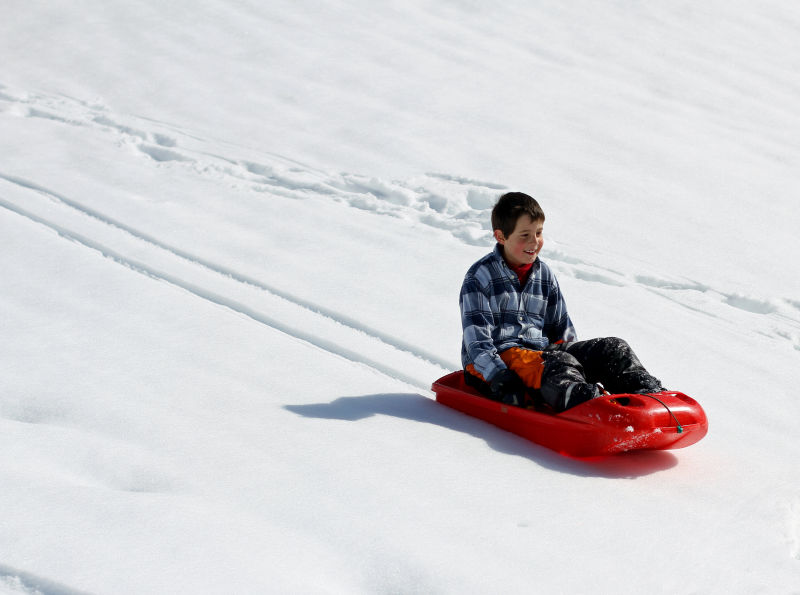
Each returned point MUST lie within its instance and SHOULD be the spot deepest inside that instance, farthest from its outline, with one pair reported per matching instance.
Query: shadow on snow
(418, 408)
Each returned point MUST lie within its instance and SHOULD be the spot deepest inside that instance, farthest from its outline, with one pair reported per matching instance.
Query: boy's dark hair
(510, 207)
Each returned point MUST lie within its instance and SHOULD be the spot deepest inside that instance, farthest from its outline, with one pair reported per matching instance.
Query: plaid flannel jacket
(496, 313)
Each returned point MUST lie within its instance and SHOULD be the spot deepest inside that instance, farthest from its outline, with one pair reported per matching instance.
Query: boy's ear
(498, 235)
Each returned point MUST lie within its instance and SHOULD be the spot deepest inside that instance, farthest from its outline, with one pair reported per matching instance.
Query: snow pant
(564, 375)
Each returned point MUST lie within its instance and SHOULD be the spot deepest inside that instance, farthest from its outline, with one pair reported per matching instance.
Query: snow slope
(232, 241)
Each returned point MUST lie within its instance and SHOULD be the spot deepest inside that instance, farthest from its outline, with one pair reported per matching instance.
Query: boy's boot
(580, 392)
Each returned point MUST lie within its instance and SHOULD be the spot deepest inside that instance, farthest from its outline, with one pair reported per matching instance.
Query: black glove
(507, 388)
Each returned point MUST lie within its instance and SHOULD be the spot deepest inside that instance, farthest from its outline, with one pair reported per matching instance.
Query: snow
(233, 235)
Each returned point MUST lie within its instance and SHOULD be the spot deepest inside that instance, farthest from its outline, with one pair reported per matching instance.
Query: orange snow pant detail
(527, 363)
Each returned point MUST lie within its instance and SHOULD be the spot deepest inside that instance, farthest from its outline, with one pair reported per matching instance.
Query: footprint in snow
(164, 140)
(162, 154)
(748, 304)
(658, 283)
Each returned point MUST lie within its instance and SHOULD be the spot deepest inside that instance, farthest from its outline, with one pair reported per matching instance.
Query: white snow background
(232, 239)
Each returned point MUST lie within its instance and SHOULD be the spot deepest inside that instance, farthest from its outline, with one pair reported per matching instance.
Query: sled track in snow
(232, 274)
(357, 333)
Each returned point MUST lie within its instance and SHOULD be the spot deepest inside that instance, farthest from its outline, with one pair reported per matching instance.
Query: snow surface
(233, 235)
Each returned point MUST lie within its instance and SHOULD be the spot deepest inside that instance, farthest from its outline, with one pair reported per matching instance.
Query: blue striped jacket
(496, 313)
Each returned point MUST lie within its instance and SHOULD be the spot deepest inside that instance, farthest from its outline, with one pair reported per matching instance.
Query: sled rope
(677, 423)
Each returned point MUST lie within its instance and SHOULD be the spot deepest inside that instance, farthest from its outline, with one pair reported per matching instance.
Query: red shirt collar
(523, 271)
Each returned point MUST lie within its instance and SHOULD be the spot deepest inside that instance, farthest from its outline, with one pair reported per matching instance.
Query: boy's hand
(508, 388)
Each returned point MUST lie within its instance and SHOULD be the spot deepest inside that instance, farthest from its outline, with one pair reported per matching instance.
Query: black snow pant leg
(563, 380)
(611, 362)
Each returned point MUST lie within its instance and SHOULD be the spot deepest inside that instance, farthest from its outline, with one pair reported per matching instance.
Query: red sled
(607, 425)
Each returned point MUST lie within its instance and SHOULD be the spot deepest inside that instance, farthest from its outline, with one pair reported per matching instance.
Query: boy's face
(524, 243)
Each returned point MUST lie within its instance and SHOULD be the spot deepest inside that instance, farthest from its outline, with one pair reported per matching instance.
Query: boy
(518, 336)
